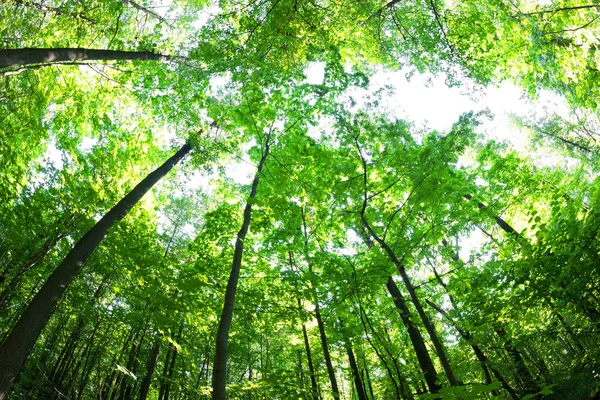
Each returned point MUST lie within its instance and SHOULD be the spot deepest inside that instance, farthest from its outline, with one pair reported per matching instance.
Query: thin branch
(146, 10)
(553, 11)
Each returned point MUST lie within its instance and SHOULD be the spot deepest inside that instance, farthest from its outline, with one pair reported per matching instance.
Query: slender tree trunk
(169, 380)
(429, 372)
(85, 360)
(165, 372)
(17, 346)
(110, 383)
(22, 57)
(365, 320)
(429, 327)
(369, 383)
(360, 388)
(523, 373)
(481, 357)
(150, 370)
(133, 364)
(313, 379)
(326, 355)
(437, 344)
(425, 363)
(222, 339)
(145, 10)
(505, 226)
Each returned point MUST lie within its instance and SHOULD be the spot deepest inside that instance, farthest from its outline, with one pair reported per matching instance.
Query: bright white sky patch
(87, 143)
(53, 155)
(431, 104)
(241, 172)
(315, 73)
(427, 101)
(218, 85)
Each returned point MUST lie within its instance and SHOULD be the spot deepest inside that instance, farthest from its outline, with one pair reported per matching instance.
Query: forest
(211, 200)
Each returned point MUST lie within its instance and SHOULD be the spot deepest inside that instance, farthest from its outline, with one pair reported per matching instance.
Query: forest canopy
(215, 200)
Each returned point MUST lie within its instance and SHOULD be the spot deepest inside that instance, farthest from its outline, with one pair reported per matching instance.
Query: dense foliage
(366, 257)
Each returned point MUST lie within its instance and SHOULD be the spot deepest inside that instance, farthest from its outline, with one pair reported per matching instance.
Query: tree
(220, 364)
(384, 260)
(17, 346)
(45, 57)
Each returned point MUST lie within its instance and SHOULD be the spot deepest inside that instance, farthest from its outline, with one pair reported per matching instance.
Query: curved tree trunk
(425, 363)
(222, 341)
(17, 346)
(22, 57)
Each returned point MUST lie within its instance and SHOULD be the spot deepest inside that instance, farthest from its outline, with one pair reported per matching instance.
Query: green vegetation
(366, 257)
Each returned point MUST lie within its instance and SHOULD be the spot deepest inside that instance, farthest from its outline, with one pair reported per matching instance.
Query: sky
(430, 104)
(426, 101)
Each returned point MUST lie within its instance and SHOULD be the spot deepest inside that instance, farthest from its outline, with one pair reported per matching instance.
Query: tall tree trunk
(150, 370)
(505, 226)
(17, 346)
(429, 372)
(366, 321)
(84, 360)
(425, 363)
(481, 357)
(313, 379)
(326, 355)
(429, 327)
(360, 388)
(169, 380)
(523, 373)
(422, 354)
(22, 57)
(165, 372)
(133, 364)
(222, 340)
(110, 382)
(437, 344)
(369, 383)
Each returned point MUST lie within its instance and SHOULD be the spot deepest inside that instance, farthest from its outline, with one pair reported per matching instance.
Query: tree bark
(425, 363)
(313, 379)
(10, 58)
(364, 319)
(17, 346)
(145, 10)
(360, 388)
(165, 372)
(481, 357)
(529, 383)
(326, 355)
(222, 340)
(437, 344)
(150, 370)
(169, 378)
(429, 372)
(505, 226)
